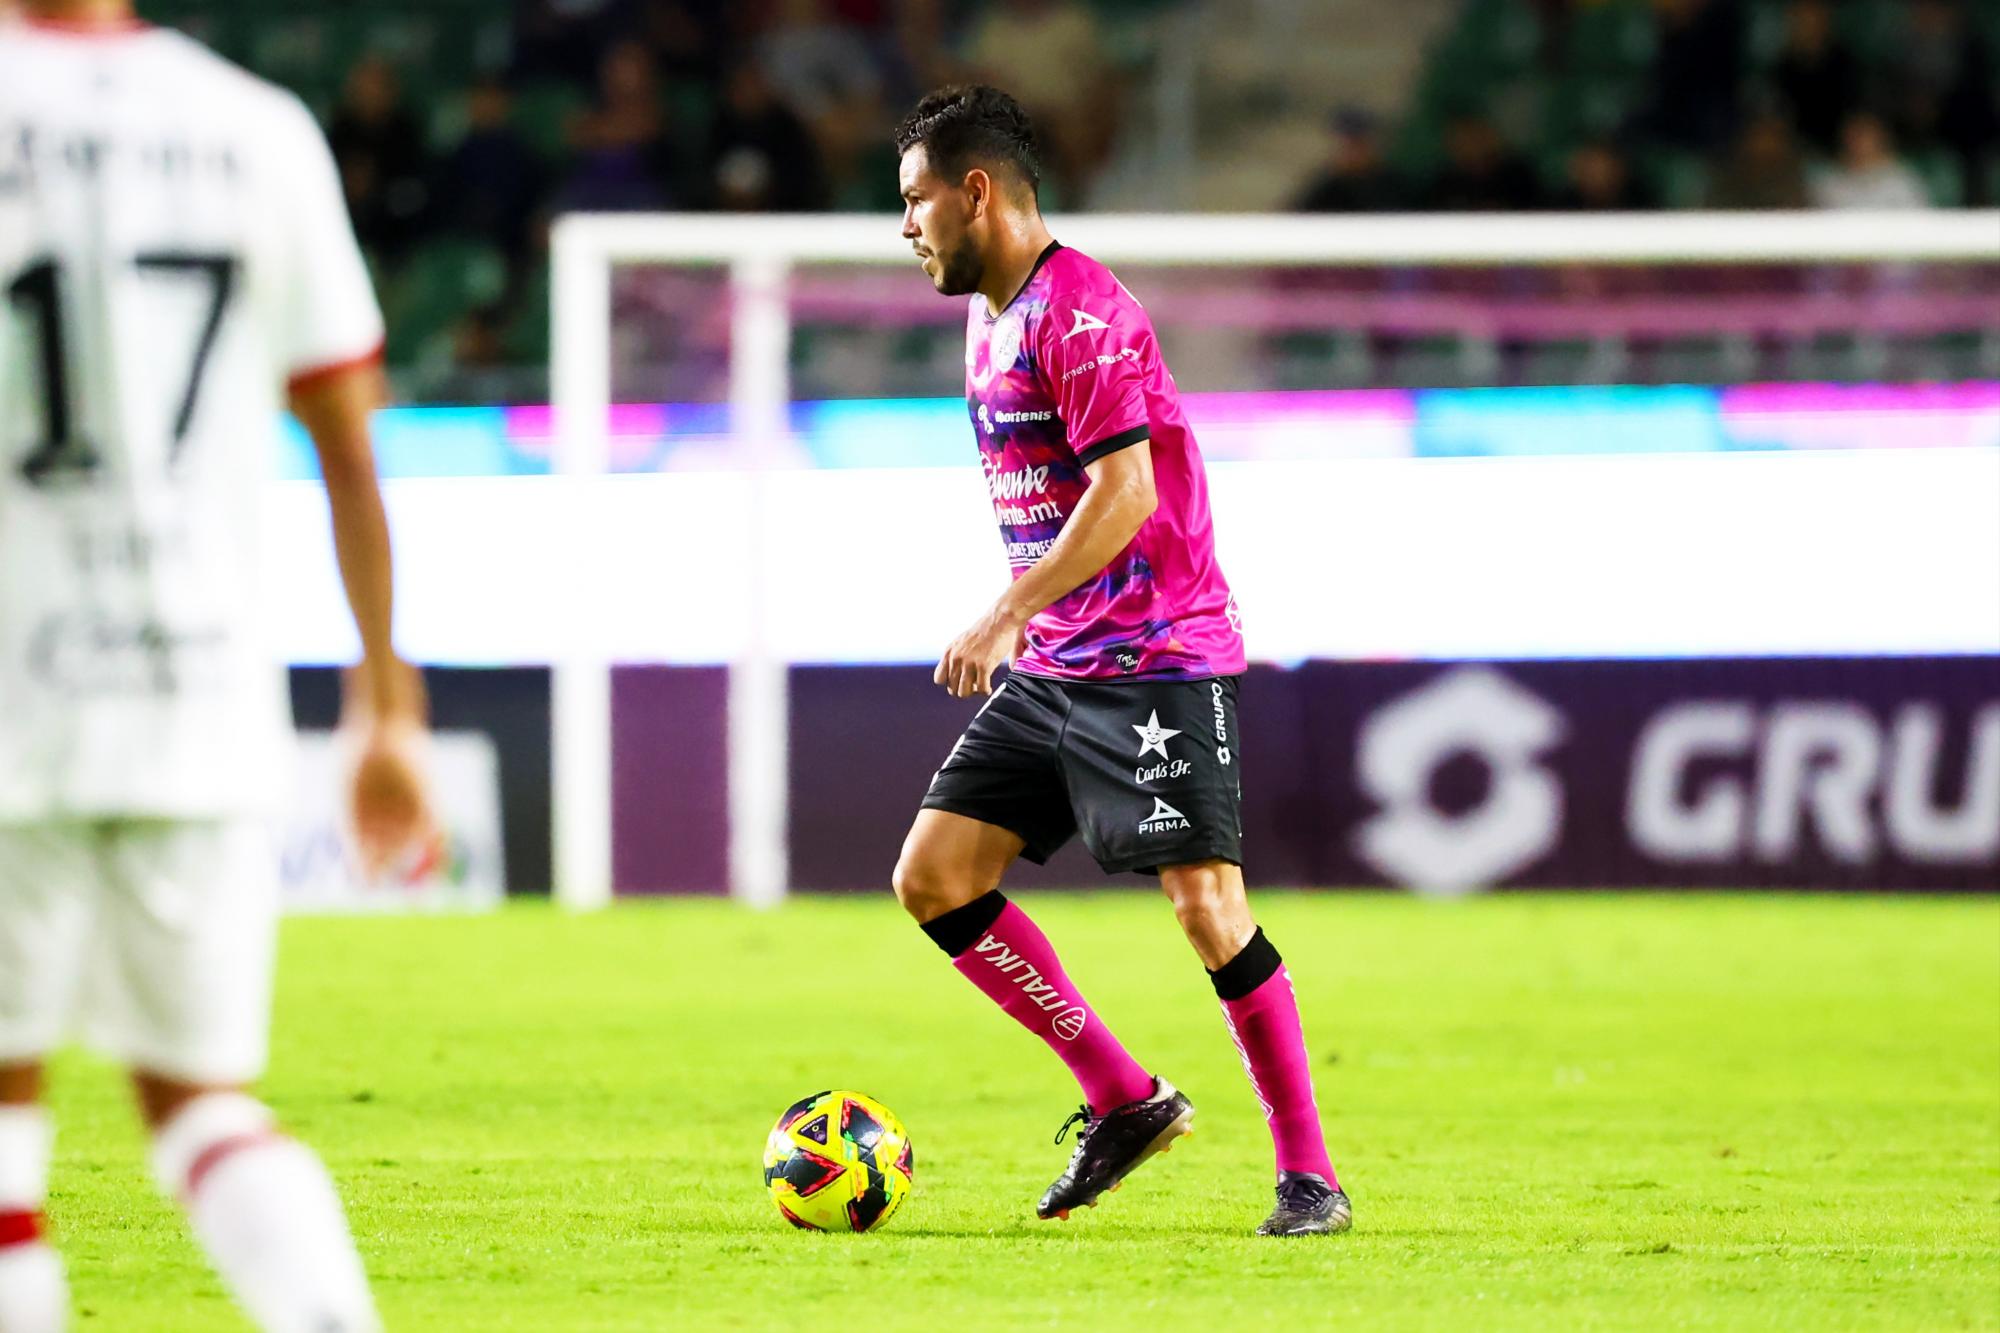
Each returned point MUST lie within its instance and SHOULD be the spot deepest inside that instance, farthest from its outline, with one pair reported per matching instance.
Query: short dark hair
(966, 123)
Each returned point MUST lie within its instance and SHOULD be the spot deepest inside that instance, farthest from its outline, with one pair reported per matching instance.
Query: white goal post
(759, 252)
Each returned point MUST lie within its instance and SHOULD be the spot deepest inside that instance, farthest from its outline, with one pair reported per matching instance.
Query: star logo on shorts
(1153, 736)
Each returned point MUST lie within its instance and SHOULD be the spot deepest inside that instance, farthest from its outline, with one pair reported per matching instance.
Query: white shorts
(153, 941)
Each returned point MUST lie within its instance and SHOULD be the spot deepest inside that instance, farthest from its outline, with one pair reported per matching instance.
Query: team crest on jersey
(1003, 345)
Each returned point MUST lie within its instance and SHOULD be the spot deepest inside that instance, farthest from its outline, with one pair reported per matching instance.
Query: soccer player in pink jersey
(1118, 719)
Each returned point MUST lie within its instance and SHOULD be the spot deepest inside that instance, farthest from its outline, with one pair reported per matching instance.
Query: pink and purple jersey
(1068, 373)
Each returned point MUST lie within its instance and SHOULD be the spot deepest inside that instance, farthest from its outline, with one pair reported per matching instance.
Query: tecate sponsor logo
(1068, 1023)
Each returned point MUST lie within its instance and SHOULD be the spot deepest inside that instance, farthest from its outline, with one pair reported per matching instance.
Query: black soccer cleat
(1114, 1145)
(1307, 1206)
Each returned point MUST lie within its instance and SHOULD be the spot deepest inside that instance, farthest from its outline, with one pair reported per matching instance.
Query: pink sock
(1264, 1024)
(1013, 963)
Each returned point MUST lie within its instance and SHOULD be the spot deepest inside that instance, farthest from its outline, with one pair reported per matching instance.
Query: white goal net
(808, 368)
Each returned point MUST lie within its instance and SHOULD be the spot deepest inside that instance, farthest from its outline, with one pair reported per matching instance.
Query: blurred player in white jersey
(176, 264)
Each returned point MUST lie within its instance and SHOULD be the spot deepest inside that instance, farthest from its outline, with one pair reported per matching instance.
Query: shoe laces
(1081, 1116)
(1304, 1193)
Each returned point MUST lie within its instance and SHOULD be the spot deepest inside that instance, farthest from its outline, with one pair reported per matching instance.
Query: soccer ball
(838, 1161)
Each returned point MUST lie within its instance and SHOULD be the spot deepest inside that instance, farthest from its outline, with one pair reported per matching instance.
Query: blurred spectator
(563, 39)
(682, 38)
(827, 73)
(1050, 55)
(1764, 170)
(478, 371)
(1944, 91)
(1598, 179)
(760, 155)
(379, 149)
(1697, 69)
(489, 183)
(919, 56)
(1816, 74)
(622, 153)
(1481, 174)
(1355, 178)
(821, 62)
(1869, 174)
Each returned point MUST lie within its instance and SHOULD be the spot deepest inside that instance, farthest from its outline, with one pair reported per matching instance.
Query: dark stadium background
(464, 127)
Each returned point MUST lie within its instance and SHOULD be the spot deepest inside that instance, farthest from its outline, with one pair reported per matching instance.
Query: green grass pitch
(1552, 1112)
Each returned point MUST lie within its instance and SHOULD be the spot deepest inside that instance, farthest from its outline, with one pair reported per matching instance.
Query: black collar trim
(1047, 253)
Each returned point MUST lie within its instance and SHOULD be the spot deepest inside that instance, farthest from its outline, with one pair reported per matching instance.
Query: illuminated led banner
(1856, 551)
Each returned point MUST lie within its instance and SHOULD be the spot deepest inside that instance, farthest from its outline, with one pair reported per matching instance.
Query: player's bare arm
(1117, 504)
(385, 695)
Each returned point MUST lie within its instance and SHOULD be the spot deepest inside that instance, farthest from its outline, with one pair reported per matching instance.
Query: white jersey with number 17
(173, 250)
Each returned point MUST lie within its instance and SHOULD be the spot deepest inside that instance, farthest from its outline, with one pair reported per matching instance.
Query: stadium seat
(1613, 37)
(1581, 107)
(1763, 34)
(439, 282)
(1500, 35)
(527, 335)
(1677, 180)
(1869, 28)
(297, 51)
(543, 110)
(1944, 177)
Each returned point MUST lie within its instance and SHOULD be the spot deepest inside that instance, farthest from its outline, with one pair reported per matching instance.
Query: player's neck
(82, 13)
(1018, 245)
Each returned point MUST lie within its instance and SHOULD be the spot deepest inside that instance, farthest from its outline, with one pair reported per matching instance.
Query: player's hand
(389, 806)
(968, 665)
(389, 802)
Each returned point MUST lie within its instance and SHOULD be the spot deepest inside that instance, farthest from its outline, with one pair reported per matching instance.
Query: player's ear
(978, 190)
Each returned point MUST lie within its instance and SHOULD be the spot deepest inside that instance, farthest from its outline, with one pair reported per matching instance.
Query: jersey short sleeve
(1092, 350)
(328, 318)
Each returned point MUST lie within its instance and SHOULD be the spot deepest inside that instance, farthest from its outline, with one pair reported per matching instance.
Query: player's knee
(1201, 896)
(922, 889)
(20, 1082)
(162, 1098)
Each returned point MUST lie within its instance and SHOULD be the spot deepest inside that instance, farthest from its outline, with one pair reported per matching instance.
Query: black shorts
(1146, 770)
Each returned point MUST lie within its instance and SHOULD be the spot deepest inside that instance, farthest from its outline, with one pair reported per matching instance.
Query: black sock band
(1254, 964)
(960, 928)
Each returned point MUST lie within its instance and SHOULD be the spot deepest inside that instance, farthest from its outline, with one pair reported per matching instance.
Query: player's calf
(1262, 1016)
(34, 1297)
(264, 1209)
